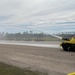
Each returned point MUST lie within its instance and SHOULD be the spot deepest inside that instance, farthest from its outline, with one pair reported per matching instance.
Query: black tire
(66, 47)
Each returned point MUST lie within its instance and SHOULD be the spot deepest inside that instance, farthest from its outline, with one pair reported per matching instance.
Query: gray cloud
(37, 12)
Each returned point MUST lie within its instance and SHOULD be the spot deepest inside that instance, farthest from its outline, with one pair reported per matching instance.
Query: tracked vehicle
(68, 44)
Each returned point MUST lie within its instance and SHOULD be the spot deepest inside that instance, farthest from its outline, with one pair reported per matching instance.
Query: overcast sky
(49, 16)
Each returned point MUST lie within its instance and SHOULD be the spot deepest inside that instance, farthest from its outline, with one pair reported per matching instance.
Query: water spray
(33, 29)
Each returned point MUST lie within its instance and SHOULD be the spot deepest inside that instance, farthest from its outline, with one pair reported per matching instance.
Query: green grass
(12, 70)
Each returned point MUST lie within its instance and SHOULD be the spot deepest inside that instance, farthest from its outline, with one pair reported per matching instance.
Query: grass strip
(12, 70)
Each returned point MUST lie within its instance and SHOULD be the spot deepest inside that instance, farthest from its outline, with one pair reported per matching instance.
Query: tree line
(30, 36)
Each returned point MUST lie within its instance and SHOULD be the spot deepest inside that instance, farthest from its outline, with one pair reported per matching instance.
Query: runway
(53, 61)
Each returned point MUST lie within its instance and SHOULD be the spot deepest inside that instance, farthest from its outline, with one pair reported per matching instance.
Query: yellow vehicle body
(68, 44)
(72, 73)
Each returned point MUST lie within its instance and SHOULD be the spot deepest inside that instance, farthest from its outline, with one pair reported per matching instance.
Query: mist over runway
(51, 44)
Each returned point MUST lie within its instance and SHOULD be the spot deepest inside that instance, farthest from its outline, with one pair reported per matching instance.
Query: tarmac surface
(53, 61)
